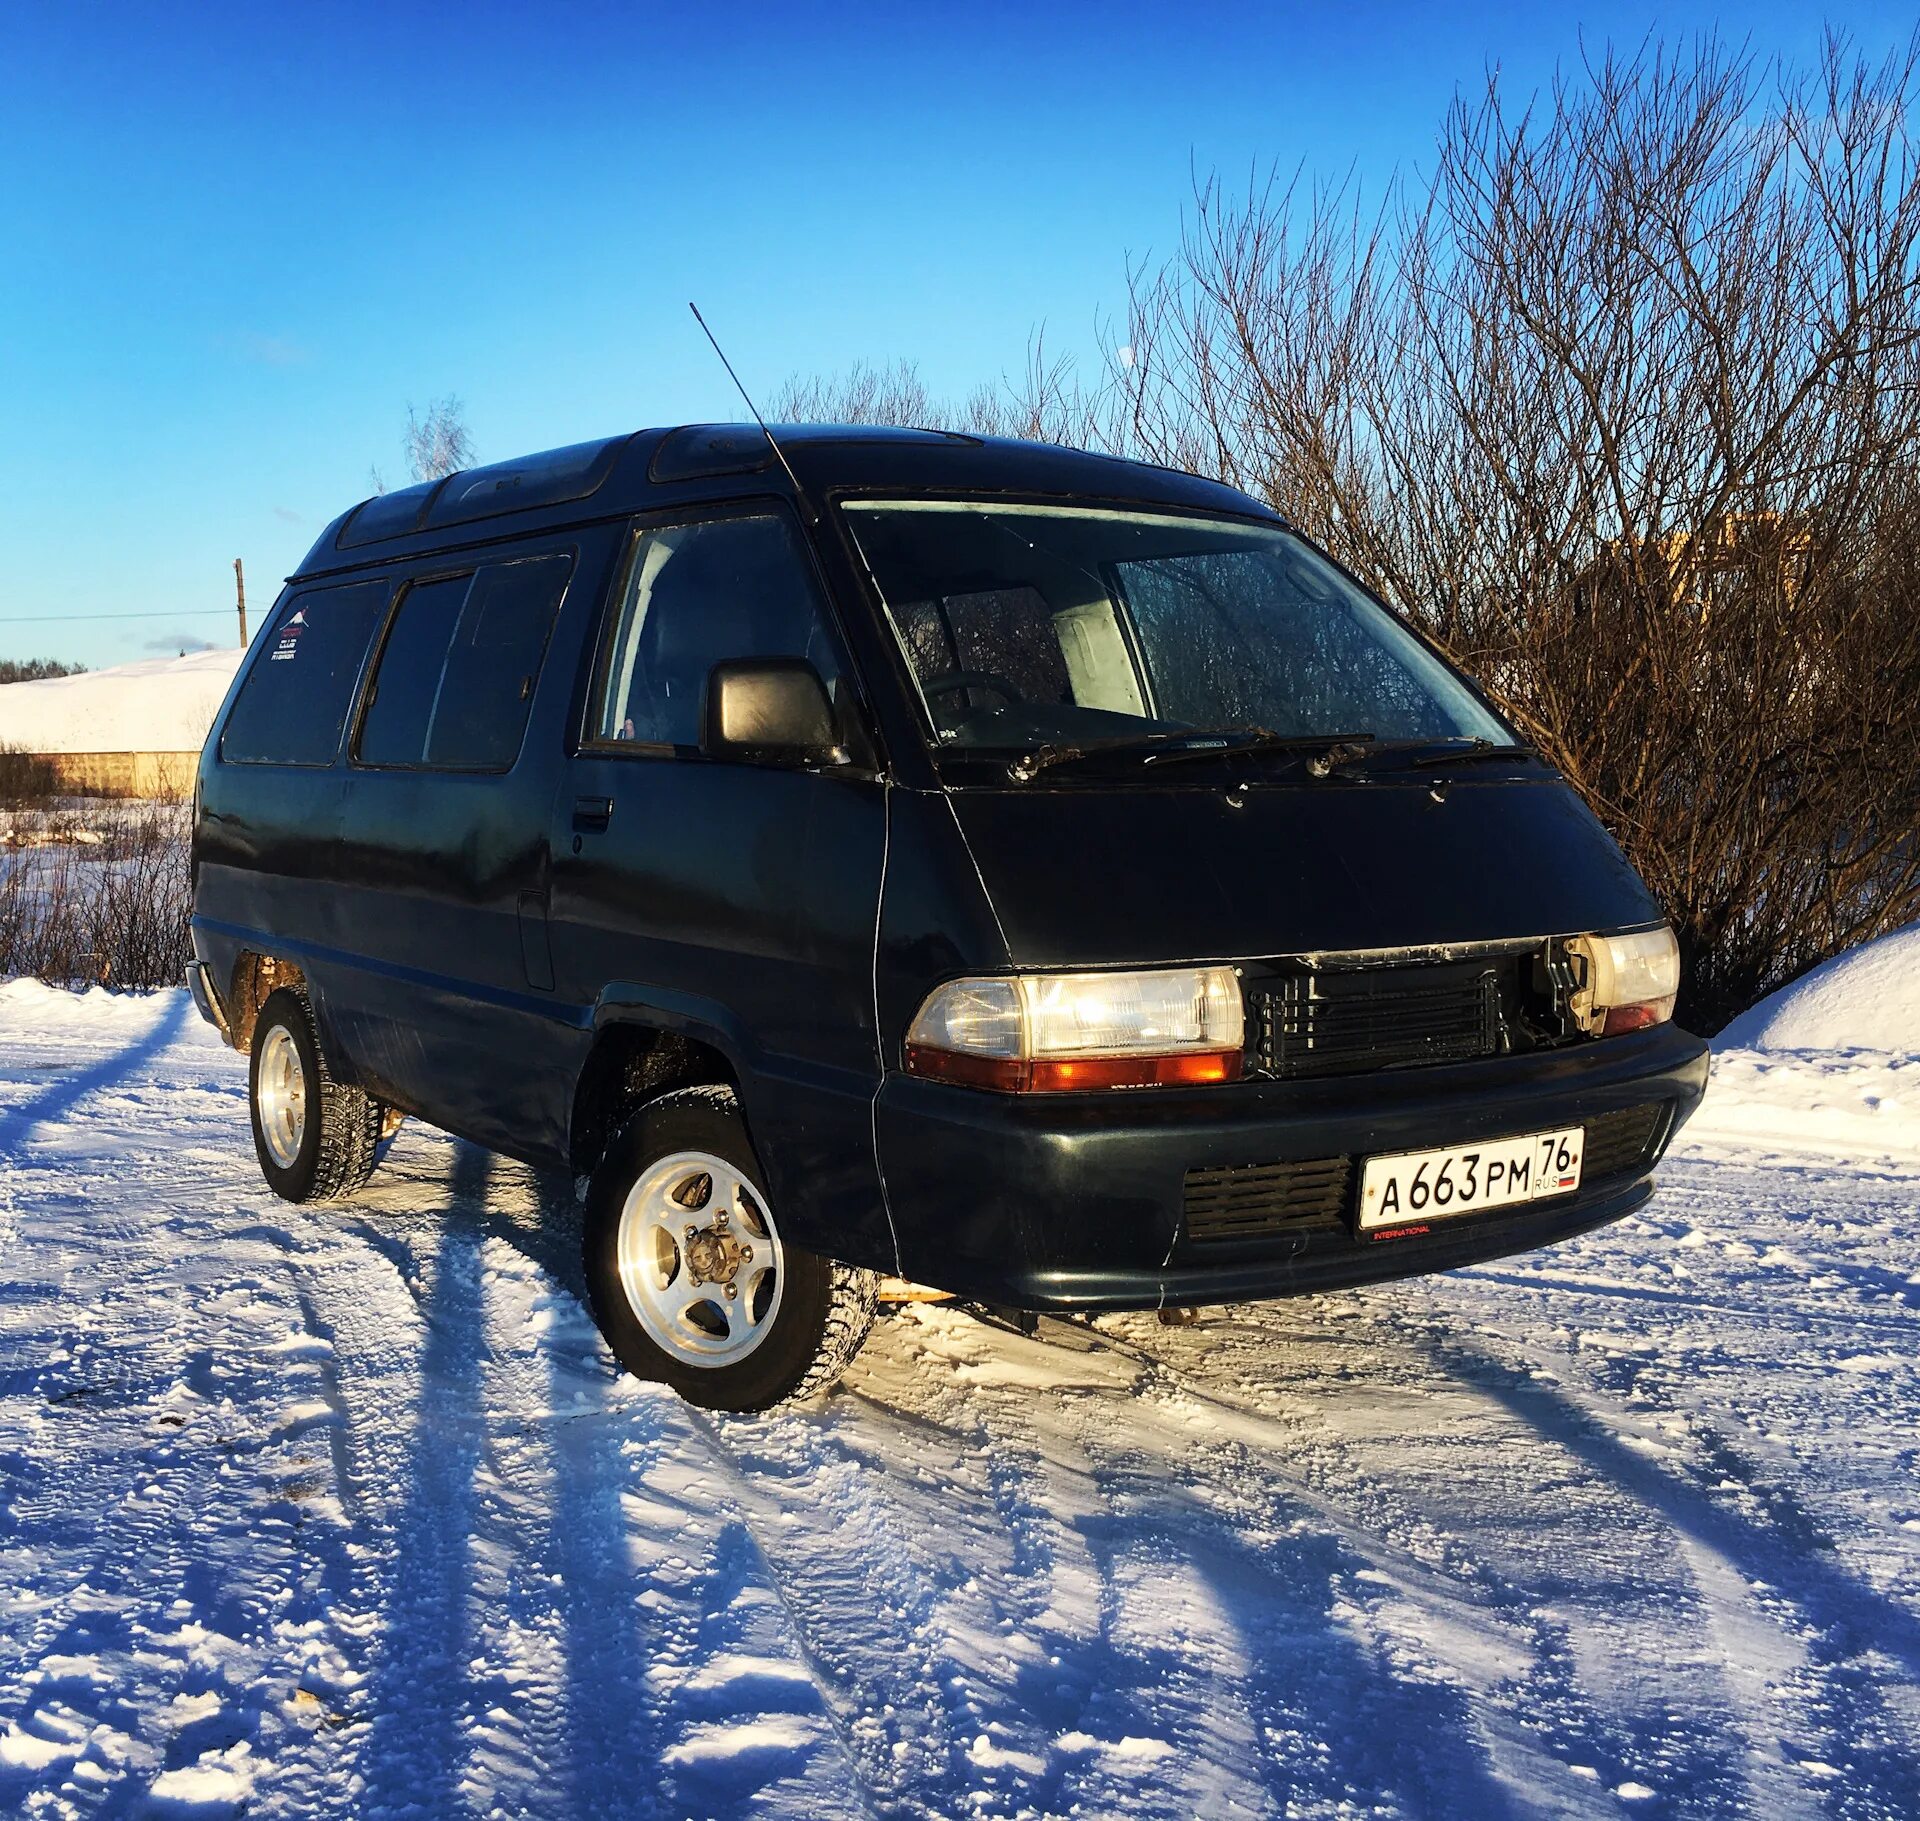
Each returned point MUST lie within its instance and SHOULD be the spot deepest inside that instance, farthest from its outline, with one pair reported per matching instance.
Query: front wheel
(690, 1280)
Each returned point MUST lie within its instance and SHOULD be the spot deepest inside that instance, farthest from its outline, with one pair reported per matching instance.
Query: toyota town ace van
(898, 858)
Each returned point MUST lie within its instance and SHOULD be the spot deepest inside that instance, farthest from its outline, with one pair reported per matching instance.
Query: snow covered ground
(344, 1512)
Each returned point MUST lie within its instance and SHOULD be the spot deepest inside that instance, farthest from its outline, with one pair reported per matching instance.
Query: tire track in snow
(734, 1712)
(1788, 1617)
(1427, 1598)
(1400, 1552)
(863, 1620)
(577, 1665)
(1304, 1574)
(1122, 1670)
(182, 1624)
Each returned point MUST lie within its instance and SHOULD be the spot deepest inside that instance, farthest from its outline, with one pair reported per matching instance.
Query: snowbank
(156, 705)
(1830, 1064)
(1866, 999)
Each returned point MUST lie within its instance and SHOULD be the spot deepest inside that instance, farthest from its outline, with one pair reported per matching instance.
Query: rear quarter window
(457, 673)
(293, 704)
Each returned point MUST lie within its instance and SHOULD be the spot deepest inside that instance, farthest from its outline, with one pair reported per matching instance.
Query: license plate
(1417, 1187)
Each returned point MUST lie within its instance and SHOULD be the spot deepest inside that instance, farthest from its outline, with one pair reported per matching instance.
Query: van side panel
(444, 879)
(267, 872)
(434, 1003)
(266, 861)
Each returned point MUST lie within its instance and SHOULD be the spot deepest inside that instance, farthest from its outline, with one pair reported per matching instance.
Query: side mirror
(773, 710)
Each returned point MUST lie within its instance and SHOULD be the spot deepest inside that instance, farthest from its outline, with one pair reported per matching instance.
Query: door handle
(592, 812)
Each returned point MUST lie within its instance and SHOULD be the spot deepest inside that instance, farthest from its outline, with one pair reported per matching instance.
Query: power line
(31, 619)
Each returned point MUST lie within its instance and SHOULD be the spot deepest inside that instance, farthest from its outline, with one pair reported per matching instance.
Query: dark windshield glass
(1030, 623)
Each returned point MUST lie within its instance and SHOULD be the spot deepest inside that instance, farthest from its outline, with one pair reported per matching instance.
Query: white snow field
(151, 705)
(343, 1511)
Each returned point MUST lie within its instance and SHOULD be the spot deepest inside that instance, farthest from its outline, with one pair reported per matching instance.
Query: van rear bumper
(206, 997)
(1058, 1202)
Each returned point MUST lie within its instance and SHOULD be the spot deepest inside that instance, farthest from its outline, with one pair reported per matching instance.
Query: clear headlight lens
(1631, 981)
(1049, 1032)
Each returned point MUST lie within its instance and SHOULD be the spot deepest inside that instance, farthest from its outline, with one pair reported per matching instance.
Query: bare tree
(1043, 404)
(1623, 404)
(864, 394)
(437, 440)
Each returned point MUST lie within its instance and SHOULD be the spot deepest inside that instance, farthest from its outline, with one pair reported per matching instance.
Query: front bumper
(1078, 1202)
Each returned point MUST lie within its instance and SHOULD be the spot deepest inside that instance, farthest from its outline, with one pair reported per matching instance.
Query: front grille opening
(1621, 1141)
(1340, 1023)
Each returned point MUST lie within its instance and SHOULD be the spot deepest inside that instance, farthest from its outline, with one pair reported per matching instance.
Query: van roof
(648, 469)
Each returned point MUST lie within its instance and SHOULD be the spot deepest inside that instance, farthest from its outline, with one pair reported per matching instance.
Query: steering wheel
(951, 682)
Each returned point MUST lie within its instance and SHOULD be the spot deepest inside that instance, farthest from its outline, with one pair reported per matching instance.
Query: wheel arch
(256, 978)
(634, 1061)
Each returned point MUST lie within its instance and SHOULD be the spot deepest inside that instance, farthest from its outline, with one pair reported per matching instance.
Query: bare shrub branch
(1624, 405)
(437, 440)
(96, 895)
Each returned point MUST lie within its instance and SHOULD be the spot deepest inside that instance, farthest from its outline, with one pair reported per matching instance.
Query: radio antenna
(779, 454)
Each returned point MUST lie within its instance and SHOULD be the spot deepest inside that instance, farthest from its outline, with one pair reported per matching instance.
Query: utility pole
(240, 588)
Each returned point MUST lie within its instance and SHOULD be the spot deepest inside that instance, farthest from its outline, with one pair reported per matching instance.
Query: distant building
(135, 730)
(1688, 566)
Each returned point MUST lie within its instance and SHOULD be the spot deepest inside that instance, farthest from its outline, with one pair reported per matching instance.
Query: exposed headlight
(1630, 981)
(1046, 1033)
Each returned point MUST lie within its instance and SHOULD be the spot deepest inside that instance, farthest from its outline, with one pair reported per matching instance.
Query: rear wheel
(690, 1279)
(316, 1138)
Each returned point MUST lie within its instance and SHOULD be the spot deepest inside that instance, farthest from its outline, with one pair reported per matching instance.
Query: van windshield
(1042, 626)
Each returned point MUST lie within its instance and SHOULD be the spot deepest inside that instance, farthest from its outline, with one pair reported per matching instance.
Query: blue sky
(233, 248)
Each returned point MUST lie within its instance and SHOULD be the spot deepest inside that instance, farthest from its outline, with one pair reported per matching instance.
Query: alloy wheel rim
(280, 1095)
(699, 1259)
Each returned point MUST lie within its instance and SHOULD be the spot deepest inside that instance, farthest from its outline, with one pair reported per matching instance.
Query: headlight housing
(1051, 1033)
(1628, 982)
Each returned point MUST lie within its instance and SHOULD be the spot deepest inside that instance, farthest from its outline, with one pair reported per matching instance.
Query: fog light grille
(1262, 1200)
(1618, 1142)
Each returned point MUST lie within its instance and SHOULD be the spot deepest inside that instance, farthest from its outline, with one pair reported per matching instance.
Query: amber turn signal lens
(1007, 1073)
(1064, 1075)
(1189, 1068)
(1620, 1019)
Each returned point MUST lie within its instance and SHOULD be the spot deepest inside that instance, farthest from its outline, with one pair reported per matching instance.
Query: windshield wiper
(1327, 748)
(1185, 743)
(1031, 764)
(1424, 755)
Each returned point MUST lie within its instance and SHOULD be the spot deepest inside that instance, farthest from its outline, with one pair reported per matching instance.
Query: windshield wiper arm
(1426, 754)
(1169, 748)
(1487, 749)
(1030, 765)
(1326, 747)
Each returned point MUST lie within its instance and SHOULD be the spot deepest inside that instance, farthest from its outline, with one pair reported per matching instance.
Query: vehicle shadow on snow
(426, 1688)
(1202, 1654)
(1382, 1732)
(18, 1124)
(1345, 1721)
(1792, 1553)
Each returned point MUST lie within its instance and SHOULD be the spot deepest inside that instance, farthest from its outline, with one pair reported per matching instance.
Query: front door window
(696, 595)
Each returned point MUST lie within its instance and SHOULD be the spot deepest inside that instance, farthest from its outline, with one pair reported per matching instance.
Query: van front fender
(811, 1122)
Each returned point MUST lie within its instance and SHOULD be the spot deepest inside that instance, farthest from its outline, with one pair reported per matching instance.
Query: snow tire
(826, 1308)
(340, 1142)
